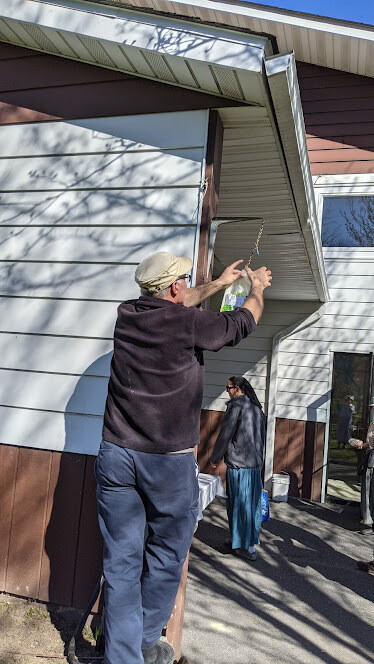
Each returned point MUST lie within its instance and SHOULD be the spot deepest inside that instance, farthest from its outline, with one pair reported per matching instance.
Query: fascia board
(271, 15)
(161, 34)
(284, 90)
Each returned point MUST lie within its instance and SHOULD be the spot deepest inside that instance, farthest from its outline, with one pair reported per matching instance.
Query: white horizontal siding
(93, 245)
(251, 358)
(101, 171)
(167, 206)
(81, 203)
(160, 131)
(34, 352)
(83, 395)
(352, 295)
(50, 431)
(78, 318)
(296, 360)
(68, 280)
(303, 389)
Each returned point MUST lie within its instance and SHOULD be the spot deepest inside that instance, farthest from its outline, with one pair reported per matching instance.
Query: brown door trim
(210, 200)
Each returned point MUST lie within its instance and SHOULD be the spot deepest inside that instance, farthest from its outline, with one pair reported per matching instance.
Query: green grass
(341, 454)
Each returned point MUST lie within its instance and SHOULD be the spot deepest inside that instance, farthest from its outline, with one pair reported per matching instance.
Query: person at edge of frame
(147, 488)
(367, 487)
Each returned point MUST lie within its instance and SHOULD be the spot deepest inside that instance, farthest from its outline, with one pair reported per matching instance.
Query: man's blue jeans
(147, 506)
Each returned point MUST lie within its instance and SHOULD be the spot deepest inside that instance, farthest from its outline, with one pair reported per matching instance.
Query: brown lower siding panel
(210, 200)
(48, 531)
(210, 425)
(50, 543)
(28, 523)
(338, 107)
(342, 167)
(41, 87)
(8, 472)
(298, 450)
(62, 528)
(88, 564)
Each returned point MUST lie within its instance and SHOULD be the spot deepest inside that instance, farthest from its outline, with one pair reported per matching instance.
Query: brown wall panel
(210, 200)
(88, 565)
(9, 51)
(50, 533)
(327, 105)
(8, 472)
(210, 425)
(298, 451)
(338, 108)
(346, 129)
(329, 93)
(344, 154)
(38, 87)
(39, 71)
(28, 522)
(338, 167)
(341, 142)
(61, 536)
(319, 444)
(282, 432)
(10, 114)
(295, 455)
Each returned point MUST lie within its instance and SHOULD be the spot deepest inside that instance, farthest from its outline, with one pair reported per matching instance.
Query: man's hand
(230, 274)
(261, 277)
(199, 293)
(260, 280)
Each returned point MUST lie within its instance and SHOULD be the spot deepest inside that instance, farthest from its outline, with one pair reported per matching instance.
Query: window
(348, 221)
(345, 208)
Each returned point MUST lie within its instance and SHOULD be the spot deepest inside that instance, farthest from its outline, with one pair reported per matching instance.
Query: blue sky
(361, 11)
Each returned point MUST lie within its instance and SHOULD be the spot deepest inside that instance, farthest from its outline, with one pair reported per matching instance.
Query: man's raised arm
(260, 279)
(198, 294)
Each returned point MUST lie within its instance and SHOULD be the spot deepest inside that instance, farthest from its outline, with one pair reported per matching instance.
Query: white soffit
(208, 59)
(320, 41)
(255, 185)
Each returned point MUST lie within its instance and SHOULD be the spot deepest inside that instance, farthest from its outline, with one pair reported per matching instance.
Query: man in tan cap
(146, 471)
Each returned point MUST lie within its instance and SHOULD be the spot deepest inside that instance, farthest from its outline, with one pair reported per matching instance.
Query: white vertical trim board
(81, 203)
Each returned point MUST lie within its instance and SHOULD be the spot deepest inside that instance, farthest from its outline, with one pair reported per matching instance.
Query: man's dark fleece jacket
(157, 371)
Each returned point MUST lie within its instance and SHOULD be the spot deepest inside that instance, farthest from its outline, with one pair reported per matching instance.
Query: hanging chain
(255, 248)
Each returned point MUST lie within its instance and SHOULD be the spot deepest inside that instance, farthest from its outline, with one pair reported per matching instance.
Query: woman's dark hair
(246, 388)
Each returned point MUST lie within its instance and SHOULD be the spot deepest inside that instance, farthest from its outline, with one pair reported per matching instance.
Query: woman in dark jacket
(241, 443)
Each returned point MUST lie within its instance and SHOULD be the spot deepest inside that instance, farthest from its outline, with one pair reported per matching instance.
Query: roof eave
(285, 95)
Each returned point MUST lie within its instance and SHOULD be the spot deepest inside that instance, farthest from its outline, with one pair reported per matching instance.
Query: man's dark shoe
(366, 532)
(366, 567)
(161, 653)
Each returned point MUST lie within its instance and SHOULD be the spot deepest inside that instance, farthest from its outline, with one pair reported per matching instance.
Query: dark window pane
(349, 403)
(348, 221)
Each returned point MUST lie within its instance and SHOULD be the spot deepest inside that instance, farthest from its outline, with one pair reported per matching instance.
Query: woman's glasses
(230, 387)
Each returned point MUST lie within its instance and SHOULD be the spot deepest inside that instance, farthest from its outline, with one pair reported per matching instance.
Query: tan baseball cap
(160, 270)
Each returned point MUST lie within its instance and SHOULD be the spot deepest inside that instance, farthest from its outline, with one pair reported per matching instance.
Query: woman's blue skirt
(244, 492)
